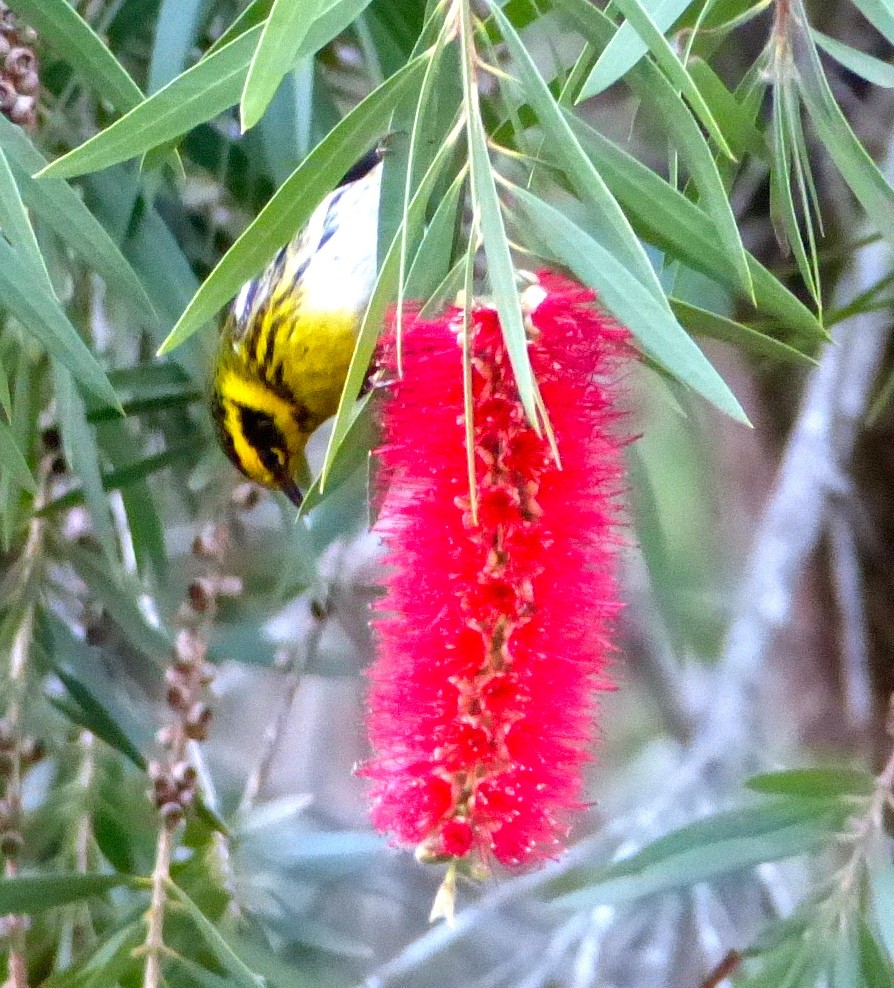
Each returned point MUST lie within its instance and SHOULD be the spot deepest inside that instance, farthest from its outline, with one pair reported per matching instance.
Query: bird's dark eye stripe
(259, 429)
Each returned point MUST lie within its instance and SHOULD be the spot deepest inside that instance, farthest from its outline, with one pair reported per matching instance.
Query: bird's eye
(264, 436)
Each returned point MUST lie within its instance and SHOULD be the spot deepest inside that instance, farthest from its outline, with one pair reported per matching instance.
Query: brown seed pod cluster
(16, 755)
(188, 676)
(19, 70)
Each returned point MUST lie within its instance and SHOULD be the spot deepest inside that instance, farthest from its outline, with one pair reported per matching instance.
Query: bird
(287, 340)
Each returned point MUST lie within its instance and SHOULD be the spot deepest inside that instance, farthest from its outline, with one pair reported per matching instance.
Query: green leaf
(96, 698)
(670, 63)
(701, 322)
(853, 161)
(285, 29)
(34, 894)
(432, 260)
(198, 976)
(62, 210)
(626, 48)
(291, 206)
(654, 90)
(62, 27)
(486, 201)
(735, 117)
(144, 523)
(25, 378)
(879, 13)
(202, 92)
(213, 938)
(875, 969)
(254, 15)
(15, 223)
(106, 964)
(5, 396)
(655, 327)
(123, 477)
(175, 34)
(352, 454)
(91, 713)
(24, 295)
(13, 462)
(665, 217)
(287, 128)
(868, 67)
(721, 844)
(814, 783)
(789, 155)
(613, 228)
(83, 456)
(844, 960)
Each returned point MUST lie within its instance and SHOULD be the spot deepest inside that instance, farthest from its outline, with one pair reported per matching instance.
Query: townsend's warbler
(287, 341)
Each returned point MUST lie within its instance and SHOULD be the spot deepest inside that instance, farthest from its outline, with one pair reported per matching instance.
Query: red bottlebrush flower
(494, 632)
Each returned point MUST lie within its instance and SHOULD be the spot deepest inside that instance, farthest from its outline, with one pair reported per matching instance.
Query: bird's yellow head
(261, 431)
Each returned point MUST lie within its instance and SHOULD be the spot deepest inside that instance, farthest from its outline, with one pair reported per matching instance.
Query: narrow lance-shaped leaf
(782, 205)
(667, 218)
(121, 603)
(432, 260)
(12, 461)
(35, 893)
(254, 15)
(62, 210)
(857, 168)
(876, 970)
(83, 456)
(293, 203)
(650, 85)
(614, 229)
(16, 224)
(868, 67)
(197, 95)
(714, 846)
(658, 332)
(214, 940)
(23, 294)
(175, 34)
(285, 29)
(670, 63)
(200, 93)
(879, 13)
(489, 220)
(627, 47)
(701, 322)
(814, 783)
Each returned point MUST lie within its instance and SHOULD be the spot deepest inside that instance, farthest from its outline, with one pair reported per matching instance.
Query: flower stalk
(174, 777)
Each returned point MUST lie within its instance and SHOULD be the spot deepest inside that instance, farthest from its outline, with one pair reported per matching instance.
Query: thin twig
(297, 662)
(154, 946)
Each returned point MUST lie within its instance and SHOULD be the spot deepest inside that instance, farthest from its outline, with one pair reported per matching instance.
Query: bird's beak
(291, 491)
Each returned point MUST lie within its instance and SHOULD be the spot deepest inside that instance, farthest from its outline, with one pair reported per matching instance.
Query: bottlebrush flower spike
(494, 634)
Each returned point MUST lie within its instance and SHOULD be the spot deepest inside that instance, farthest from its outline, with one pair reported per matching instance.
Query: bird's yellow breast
(309, 353)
